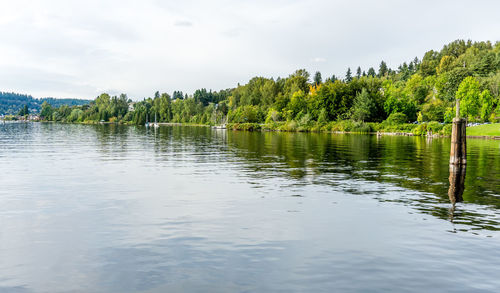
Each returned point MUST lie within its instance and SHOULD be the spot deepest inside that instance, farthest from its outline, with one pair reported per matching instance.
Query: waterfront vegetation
(417, 97)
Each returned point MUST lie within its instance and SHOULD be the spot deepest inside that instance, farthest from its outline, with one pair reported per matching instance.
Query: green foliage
(383, 69)
(447, 83)
(424, 128)
(397, 100)
(12, 103)
(486, 102)
(469, 95)
(317, 78)
(449, 115)
(433, 111)
(348, 126)
(322, 117)
(46, 111)
(446, 129)
(397, 118)
(272, 116)
(348, 75)
(289, 126)
(296, 105)
(75, 116)
(420, 117)
(371, 72)
(24, 111)
(417, 90)
(246, 114)
(363, 106)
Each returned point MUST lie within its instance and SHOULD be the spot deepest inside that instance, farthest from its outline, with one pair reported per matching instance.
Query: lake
(107, 208)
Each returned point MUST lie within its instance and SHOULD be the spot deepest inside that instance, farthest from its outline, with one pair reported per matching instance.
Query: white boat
(156, 123)
(222, 126)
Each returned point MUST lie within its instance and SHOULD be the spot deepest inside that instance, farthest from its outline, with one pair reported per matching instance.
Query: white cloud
(78, 49)
(318, 60)
(183, 23)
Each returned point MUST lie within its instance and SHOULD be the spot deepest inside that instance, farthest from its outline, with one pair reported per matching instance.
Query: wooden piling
(458, 153)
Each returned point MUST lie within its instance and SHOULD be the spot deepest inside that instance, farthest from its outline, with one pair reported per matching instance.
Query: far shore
(273, 128)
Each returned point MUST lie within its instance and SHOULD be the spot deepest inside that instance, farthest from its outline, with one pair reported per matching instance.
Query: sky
(80, 49)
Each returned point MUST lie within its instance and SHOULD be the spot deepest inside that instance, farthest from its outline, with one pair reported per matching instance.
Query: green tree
(297, 104)
(363, 106)
(486, 101)
(371, 72)
(348, 75)
(317, 78)
(24, 111)
(46, 112)
(358, 72)
(299, 80)
(469, 95)
(383, 69)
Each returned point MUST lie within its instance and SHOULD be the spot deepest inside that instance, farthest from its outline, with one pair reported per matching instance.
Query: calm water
(124, 209)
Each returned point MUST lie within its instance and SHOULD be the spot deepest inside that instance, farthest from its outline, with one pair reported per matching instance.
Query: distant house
(131, 107)
(33, 117)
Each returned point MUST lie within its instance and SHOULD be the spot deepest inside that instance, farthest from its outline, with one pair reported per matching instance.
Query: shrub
(305, 120)
(421, 129)
(272, 116)
(289, 126)
(360, 127)
(244, 126)
(434, 126)
(446, 130)
(397, 118)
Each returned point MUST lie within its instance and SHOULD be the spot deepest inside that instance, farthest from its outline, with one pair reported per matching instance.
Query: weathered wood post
(458, 153)
(458, 159)
(457, 183)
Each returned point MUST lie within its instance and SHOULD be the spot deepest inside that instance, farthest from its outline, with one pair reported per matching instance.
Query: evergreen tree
(383, 70)
(371, 72)
(348, 75)
(358, 72)
(24, 111)
(317, 78)
(363, 106)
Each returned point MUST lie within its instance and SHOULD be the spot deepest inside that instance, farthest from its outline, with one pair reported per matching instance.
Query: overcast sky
(79, 49)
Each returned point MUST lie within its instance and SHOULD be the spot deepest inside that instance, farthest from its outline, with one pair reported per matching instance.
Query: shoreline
(265, 128)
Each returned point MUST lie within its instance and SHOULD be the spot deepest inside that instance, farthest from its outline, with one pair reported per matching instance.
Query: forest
(419, 92)
(13, 103)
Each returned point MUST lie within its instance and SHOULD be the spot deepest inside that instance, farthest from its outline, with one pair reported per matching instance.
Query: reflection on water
(107, 208)
(348, 162)
(457, 186)
(457, 183)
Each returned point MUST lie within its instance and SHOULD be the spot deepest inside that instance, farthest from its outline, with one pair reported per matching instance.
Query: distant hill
(11, 103)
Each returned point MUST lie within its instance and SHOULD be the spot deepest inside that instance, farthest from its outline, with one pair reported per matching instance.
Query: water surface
(108, 208)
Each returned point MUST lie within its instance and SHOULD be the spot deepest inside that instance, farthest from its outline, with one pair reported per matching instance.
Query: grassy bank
(348, 126)
(484, 130)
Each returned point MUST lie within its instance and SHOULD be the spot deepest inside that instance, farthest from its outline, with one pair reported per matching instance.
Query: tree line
(15, 104)
(418, 90)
